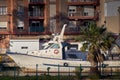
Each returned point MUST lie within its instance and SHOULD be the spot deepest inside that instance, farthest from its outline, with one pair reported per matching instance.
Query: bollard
(58, 72)
(80, 71)
(14, 72)
(48, 70)
(69, 73)
(36, 71)
(111, 71)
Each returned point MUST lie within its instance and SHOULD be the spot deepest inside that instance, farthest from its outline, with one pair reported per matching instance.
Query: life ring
(65, 64)
(56, 51)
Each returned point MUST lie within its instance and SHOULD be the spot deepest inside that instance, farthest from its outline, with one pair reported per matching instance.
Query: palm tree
(96, 39)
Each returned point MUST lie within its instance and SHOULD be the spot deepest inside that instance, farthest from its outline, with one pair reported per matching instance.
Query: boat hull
(30, 62)
(42, 63)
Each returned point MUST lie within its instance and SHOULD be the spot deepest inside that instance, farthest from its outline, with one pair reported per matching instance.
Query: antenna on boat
(60, 37)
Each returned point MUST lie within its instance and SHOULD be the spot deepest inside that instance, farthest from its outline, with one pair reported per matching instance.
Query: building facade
(39, 18)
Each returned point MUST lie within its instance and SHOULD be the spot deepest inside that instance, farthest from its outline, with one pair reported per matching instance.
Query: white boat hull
(29, 62)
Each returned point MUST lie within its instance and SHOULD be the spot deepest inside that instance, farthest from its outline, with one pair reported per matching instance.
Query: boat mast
(59, 37)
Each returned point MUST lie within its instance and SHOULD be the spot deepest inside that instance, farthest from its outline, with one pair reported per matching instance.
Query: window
(3, 10)
(24, 47)
(72, 10)
(20, 14)
(72, 24)
(73, 56)
(20, 28)
(20, 10)
(47, 46)
(73, 46)
(88, 11)
(20, 7)
(85, 13)
(20, 24)
(3, 25)
(36, 26)
(51, 45)
(36, 11)
(87, 23)
(55, 46)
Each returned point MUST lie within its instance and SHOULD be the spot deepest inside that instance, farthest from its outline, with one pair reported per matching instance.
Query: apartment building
(39, 18)
(110, 15)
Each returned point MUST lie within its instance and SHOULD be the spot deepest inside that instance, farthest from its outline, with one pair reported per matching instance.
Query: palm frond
(97, 39)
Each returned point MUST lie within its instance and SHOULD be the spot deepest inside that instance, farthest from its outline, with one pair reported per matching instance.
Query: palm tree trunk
(94, 71)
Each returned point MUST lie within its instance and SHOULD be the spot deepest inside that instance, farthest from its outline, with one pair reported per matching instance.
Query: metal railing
(36, 0)
(61, 73)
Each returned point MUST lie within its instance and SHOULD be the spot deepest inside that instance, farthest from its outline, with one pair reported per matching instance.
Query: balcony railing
(74, 30)
(39, 30)
(82, 2)
(36, 29)
(84, 16)
(36, 1)
(4, 32)
(36, 14)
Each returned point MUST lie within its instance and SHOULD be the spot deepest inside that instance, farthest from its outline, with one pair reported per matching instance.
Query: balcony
(82, 2)
(34, 15)
(36, 2)
(72, 30)
(33, 31)
(36, 18)
(36, 29)
(4, 33)
(75, 16)
(83, 17)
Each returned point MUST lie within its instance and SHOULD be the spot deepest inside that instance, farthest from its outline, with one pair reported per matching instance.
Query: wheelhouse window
(52, 46)
(47, 46)
(55, 46)
(73, 56)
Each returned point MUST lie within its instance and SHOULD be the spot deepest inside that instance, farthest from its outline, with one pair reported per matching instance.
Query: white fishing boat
(53, 53)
